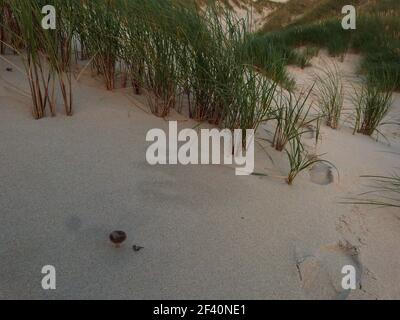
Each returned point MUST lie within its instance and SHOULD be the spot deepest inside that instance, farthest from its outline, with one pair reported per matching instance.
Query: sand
(67, 182)
(257, 18)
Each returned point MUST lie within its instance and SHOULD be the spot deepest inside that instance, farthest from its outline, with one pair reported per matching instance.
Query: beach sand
(67, 182)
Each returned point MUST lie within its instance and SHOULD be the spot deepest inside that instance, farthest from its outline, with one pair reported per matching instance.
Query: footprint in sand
(321, 275)
(321, 173)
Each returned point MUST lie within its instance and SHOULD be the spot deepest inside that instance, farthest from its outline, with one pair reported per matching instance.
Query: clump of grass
(26, 15)
(271, 56)
(376, 38)
(373, 102)
(164, 55)
(172, 50)
(292, 116)
(312, 51)
(133, 51)
(5, 15)
(41, 56)
(168, 48)
(101, 30)
(330, 91)
(300, 159)
(9, 30)
(303, 61)
(217, 64)
(303, 57)
(60, 50)
(252, 101)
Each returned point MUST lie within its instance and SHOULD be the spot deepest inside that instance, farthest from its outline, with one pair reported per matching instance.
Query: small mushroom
(117, 238)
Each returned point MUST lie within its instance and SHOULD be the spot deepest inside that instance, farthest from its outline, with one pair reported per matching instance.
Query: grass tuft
(385, 193)
(300, 159)
(330, 90)
(292, 117)
(372, 103)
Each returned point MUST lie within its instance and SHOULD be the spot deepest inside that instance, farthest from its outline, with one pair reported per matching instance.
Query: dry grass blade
(385, 192)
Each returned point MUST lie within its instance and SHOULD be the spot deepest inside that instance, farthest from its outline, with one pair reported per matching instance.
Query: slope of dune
(66, 182)
(310, 11)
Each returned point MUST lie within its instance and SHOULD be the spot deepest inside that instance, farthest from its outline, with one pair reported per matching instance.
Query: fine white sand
(67, 182)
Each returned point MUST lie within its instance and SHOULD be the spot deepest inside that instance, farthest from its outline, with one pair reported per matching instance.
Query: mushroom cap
(118, 237)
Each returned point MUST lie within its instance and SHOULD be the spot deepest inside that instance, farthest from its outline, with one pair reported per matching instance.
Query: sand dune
(66, 182)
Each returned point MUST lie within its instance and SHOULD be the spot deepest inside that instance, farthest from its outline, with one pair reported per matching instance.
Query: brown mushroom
(117, 238)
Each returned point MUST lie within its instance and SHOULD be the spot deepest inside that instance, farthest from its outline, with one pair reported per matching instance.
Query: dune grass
(292, 116)
(385, 192)
(300, 159)
(45, 53)
(377, 38)
(372, 104)
(330, 92)
(26, 15)
(168, 48)
(175, 52)
(100, 31)
(272, 57)
(42, 65)
(9, 30)
(253, 101)
(170, 51)
(215, 64)
(302, 12)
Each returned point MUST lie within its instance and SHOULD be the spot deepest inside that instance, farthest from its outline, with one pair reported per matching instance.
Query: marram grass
(42, 52)
(372, 104)
(292, 115)
(330, 92)
(300, 159)
(385, 192)
(169, 51)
